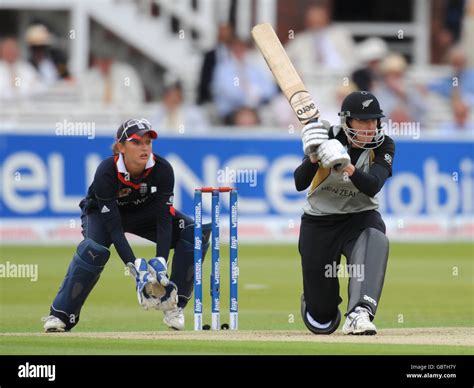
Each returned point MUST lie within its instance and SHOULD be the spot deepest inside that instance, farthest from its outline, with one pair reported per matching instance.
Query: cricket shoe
(174, 318)
(358, 323)
(53, 324)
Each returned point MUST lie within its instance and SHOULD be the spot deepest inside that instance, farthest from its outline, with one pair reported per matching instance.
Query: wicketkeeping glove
(164, 290)
(332, 153)
(154, 289)
(143, 281)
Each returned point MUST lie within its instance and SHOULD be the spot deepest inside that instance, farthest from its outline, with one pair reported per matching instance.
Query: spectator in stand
(240, 82)
(278, 114)
(111, 83)
(246, 117)
(321, 46)
(370, 53)
(462, 122)
(218, 55)
(175, 116)
(461, 81)
(447, 21)
(453, 15)
(18, 79)
(401, 103)
(331, 111)
(49, 62)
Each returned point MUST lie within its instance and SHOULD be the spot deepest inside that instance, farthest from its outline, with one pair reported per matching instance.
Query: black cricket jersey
(118, 196)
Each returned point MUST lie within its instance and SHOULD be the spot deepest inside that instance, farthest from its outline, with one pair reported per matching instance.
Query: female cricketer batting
(344, 166)
(132, 192)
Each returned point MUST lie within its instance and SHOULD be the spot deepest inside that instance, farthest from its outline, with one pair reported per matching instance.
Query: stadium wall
(45, 174)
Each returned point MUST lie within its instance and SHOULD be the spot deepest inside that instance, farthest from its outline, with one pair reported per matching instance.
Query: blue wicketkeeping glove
(143, 281)
(164, 290)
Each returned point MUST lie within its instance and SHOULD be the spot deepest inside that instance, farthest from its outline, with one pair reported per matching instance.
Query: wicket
(215, 265)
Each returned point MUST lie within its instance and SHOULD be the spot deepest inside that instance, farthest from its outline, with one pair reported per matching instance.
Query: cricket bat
(284, 72)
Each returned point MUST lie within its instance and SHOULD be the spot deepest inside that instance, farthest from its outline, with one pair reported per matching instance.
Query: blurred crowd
(235, 88)
(20, 78)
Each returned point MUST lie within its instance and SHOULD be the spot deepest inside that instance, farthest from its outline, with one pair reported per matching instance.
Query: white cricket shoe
(53, 324)
(358, 323)
(174, 318)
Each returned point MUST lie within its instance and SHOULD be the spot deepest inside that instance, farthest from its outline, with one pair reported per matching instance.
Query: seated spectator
(18, 79)
(238, 82)
(49, 62)
(370, 53)
(212, 58)
(461, 122)
(278, 114)
(321, 46)
(400, 102)
(330, 111)
(245, 117)
(111, 83)
(462, 79)
(174, 115)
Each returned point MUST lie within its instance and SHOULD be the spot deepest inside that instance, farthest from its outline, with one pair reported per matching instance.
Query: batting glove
(332, 153)
(313, 135)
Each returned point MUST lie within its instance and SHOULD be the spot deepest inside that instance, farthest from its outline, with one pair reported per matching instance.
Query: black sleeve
(304, 174)
(385, 154)
(164, 204)
(105, 187)
(372, 182)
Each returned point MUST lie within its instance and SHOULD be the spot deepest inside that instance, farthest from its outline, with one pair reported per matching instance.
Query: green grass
(84, 346)
(427, 285)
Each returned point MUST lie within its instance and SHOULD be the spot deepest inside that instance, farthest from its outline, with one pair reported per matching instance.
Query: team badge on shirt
(388, 158)
(143, 188)
(124, 192)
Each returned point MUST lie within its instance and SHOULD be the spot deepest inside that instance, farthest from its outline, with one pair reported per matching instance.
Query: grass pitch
(426, 307)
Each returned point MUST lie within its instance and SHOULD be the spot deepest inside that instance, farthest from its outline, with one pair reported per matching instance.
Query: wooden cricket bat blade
(284, 72)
